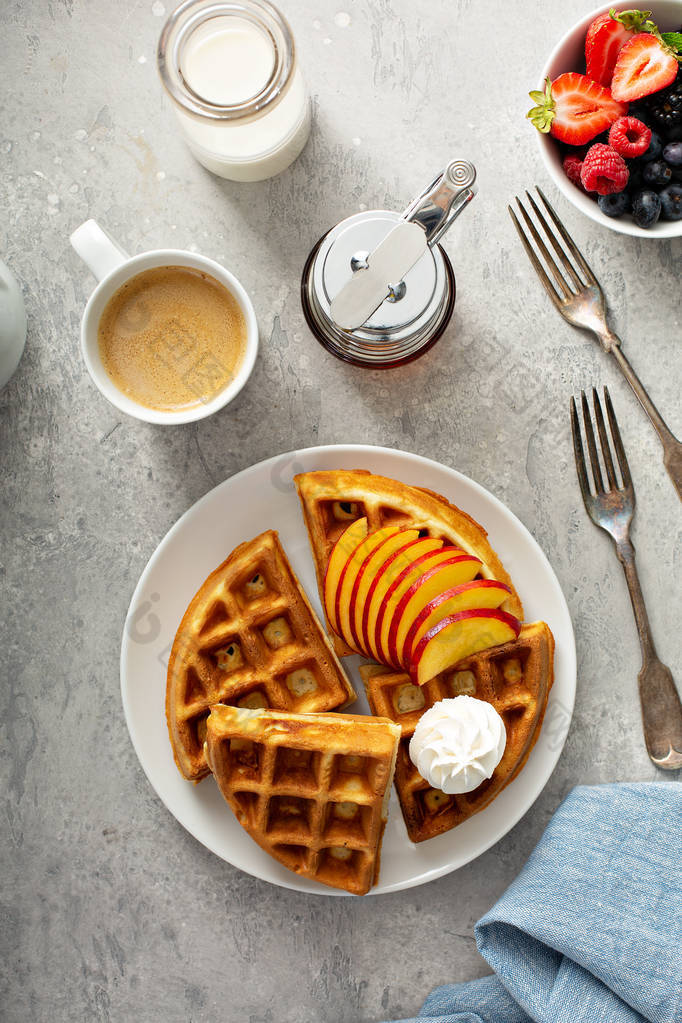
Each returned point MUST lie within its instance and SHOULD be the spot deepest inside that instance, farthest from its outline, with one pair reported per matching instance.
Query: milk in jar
(239, 94)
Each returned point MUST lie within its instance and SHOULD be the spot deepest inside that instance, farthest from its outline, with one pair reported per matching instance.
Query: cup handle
(97, 249)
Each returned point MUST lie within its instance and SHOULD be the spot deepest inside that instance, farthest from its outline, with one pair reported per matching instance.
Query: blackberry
(665, 106)
(646, 208)
(671, 202)
(657, 173)
(614, 205)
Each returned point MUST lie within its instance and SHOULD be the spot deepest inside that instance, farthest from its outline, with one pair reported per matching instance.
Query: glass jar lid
(350, 242)
(185, 26)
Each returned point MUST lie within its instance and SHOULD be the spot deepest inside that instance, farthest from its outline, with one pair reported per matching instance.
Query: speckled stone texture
(110, 911)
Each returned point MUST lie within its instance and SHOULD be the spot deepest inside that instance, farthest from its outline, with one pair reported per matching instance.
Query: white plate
(263, 497)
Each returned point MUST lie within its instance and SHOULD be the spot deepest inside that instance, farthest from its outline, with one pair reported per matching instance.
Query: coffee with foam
(172, 337)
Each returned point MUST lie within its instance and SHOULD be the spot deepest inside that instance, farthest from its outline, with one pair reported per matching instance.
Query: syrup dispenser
(378, 290)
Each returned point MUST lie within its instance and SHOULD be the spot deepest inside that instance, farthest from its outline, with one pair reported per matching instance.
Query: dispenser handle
(439, 205)
(423, 223)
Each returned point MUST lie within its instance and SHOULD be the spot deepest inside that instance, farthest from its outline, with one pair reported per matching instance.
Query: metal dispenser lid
(378, 289)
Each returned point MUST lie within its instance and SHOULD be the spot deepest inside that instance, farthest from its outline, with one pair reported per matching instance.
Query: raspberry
(604, 171)
(629, 137)
(572, 167)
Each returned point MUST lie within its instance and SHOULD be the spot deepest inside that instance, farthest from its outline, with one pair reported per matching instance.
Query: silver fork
(580, 300)
(612, 507)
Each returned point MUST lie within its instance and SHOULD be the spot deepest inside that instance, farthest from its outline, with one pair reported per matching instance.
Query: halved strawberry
(644, 65)
(574, 109)
(603, 42)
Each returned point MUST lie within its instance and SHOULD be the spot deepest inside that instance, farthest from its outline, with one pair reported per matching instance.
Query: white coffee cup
(113, 267)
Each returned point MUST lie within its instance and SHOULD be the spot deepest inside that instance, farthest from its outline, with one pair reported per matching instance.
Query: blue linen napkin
(591, 930)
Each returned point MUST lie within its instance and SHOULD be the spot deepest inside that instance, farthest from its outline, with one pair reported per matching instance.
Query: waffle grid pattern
(514, 678)
(313, 795)
(248, 638)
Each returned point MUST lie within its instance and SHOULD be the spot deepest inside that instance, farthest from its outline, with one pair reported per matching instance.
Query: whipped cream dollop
(458, 743)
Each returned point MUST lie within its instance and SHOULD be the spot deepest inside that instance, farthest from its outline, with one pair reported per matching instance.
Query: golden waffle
(332, 499)
(515, 678)
(249, 637)
(312, 790)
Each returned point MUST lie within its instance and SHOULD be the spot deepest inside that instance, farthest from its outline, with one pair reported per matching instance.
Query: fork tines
(564, 267)
(596, 484)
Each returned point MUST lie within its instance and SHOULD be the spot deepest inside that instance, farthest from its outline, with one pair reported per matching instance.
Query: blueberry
(657, 173)
(672, 154)
(646, 208)
(614, 205)
(671, 202)
(636, 179)
(655, 148)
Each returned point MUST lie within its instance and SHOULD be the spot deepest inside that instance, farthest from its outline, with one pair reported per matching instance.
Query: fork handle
(672, 448)
(659, 700)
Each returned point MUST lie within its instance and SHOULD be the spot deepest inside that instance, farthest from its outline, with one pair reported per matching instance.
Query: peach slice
(341, 551)
(385, 574)
(367, 573)
(348, 576)
(459, 636)
(448, 567)
(413, 616)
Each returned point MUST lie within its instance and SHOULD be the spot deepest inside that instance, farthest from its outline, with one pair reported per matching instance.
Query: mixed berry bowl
(632, 167)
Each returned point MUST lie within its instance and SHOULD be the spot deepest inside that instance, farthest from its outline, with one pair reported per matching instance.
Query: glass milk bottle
(231, 71)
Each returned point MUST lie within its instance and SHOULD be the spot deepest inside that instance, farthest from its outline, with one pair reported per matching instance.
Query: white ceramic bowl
(569, 55)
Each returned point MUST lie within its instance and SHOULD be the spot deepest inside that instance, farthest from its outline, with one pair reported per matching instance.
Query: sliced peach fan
(349, 574)
(341, 551)
(460, 636)
(452, 569)
(418, 618)
(363, 582)
(382, 581)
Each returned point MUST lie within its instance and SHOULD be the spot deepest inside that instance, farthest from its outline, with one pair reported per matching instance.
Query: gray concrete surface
(110, 910)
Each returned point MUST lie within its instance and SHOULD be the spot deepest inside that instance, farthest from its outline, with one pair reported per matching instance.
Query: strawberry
(574, 109)
(603, 42)
(644, 65)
